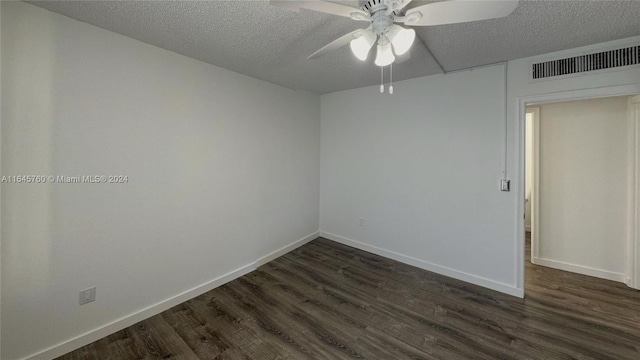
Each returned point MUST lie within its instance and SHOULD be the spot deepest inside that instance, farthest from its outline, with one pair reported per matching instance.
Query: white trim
(584, 94)
(632, 278)
(0, 202)
(505, 123)
(456, 274)
(535, 189)
(579, 269)
(128, 320)
(523, 101)
(285, 249)
(520, 128)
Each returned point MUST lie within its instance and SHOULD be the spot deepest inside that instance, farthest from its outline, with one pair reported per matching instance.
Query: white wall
(223, 169)
(422, 168)
(529, 170)
(583, 187)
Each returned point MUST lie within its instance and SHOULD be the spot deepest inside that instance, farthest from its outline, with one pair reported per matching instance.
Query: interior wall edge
(126, 321)
(426, 265)
(140, 315)
(286, 249)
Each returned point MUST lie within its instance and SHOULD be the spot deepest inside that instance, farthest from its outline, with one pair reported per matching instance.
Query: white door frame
(535, 187)
(633, 191)
(609, 91)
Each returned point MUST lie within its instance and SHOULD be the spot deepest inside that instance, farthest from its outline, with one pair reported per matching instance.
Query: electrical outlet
(361, 221)
(88, 295)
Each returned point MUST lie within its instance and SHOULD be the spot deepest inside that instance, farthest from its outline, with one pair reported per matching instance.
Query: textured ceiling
(271, 43)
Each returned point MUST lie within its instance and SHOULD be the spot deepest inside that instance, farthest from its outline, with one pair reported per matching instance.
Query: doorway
(579, 192)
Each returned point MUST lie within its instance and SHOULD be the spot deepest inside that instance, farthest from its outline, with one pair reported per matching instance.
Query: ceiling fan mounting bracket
(373, 6)
(391, 7)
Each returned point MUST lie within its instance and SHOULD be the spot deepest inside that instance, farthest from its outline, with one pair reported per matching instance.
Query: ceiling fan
(384, 17)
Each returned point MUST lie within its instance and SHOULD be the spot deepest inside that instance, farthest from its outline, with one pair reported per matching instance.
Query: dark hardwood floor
(329, 301)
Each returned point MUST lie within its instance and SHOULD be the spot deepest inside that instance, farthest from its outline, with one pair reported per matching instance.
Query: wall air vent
(611, 59)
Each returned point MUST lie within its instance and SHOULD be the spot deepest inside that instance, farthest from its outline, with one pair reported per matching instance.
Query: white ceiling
(271, 43)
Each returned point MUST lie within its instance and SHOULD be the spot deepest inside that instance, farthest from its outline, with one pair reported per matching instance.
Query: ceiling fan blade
(336, 44)
(458, 11)
(320, 6)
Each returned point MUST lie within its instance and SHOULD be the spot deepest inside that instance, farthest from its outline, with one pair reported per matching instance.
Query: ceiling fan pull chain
(381, 79)
(391, 79)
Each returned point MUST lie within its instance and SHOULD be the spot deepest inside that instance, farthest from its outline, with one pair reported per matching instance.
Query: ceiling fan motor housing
(381, 23)
(392, 6)
(383, 13)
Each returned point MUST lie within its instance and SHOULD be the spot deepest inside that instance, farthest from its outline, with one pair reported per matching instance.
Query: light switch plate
(505, 185)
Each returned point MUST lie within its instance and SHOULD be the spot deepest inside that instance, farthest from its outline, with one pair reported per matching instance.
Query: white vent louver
(627, 56)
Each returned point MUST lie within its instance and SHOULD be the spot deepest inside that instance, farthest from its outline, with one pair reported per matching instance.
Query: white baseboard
(126, 321)
(580, 269)
(285, 249)
(443, 270)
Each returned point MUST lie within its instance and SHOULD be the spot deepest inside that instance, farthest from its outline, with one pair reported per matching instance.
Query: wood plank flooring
(329, 301)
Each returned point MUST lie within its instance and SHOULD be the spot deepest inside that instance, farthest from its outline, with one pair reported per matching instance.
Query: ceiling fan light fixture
(384, 56)
(361, 46)
(401, 38)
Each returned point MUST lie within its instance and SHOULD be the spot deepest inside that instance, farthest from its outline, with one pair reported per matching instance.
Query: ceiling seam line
(433, 56)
